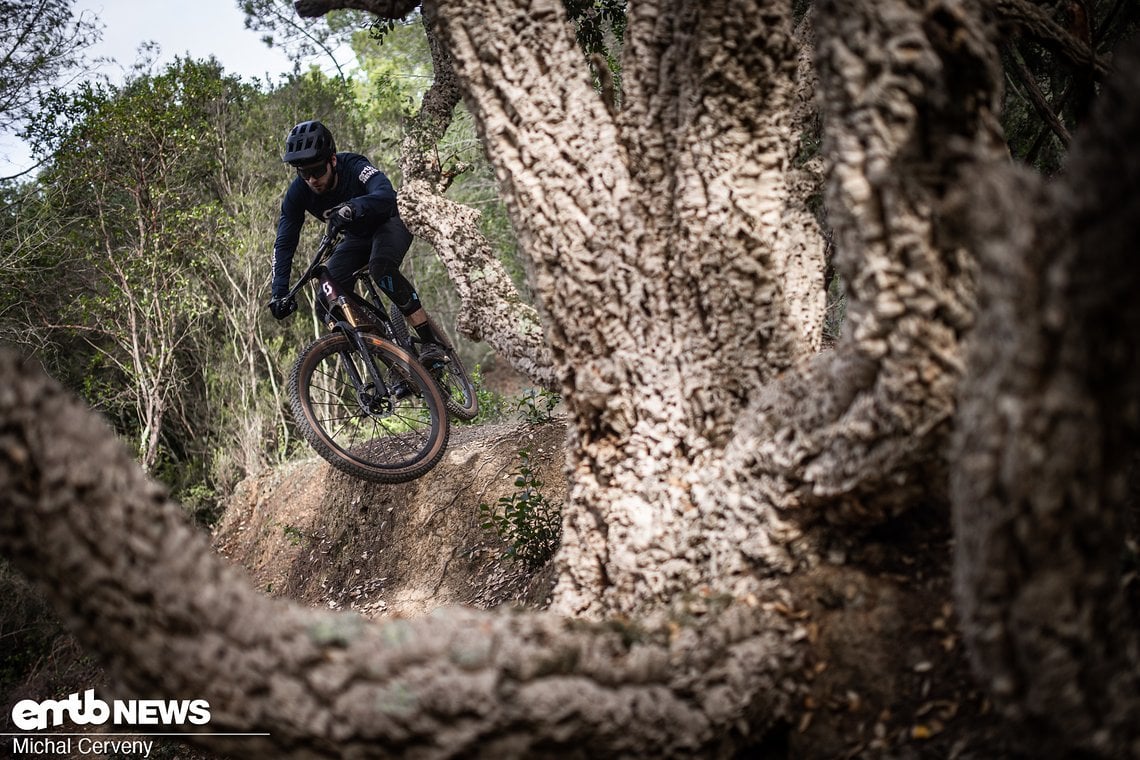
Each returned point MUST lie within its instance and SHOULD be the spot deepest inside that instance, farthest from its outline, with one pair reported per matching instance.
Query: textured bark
(173, 620)
(675, 276)
(1048, 429)
(909, 98)
(491, 308)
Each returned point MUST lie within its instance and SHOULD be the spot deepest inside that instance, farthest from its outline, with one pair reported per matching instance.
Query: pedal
(401, 389)
(432, 356)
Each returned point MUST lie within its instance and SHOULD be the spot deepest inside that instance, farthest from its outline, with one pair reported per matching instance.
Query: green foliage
(294, 535)
(536, 405)
(201, 503)
(492, 405)
(527, 521)
(39, 43)
(599, 24)
(599, 27)
(160, 207)
(127, 185)
(393, 73)
(478, 187)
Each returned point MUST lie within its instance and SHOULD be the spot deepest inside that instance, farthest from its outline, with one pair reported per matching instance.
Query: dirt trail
(311, 533)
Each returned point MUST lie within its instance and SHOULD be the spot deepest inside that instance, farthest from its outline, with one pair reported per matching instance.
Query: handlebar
(328, 241)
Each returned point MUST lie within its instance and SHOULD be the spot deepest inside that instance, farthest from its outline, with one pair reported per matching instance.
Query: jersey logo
(368, 173)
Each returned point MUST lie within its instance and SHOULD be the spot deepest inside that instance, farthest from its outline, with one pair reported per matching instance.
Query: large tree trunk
(1047, 439)
(711, 450)
(675, 277)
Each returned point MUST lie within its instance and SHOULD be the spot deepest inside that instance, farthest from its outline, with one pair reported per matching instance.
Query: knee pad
(397, 287)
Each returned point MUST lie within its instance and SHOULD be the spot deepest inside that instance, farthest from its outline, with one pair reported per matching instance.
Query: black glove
(341, 216)
(282, 307)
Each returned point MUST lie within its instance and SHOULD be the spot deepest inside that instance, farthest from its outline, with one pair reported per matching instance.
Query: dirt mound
(311, 533)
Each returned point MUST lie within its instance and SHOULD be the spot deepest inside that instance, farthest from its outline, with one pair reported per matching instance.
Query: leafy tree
(127, 180)
(40, 42)
(182, 172)
(394, 71)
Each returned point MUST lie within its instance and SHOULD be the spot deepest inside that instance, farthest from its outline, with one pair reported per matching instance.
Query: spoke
(372, 439)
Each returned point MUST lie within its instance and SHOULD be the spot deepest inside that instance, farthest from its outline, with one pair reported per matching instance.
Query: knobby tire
(395, 441)
(452, 378)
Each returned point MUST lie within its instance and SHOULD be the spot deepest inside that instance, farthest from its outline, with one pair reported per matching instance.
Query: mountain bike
(359, 394)
(448, 370)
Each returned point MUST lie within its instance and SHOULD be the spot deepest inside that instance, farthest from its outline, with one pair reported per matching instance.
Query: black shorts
(384, 251)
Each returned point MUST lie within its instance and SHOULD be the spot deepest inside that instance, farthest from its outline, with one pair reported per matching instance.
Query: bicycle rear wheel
(386, 435)
(451, 376)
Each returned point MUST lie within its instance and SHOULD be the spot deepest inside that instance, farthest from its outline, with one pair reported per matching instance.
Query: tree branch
(492, 308)
(387, 9)
(29, 170)
(1037, 98)
(171, 620)
(842, 425)
(1033, 19)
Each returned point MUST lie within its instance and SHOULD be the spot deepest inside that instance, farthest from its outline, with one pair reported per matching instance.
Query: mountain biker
(348, 189)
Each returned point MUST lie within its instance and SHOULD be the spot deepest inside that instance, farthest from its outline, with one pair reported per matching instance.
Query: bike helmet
(308, 143)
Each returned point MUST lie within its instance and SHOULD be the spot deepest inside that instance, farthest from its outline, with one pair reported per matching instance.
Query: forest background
(135, 259)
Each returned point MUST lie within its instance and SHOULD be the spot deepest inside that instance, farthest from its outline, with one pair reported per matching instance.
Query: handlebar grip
(283, 307)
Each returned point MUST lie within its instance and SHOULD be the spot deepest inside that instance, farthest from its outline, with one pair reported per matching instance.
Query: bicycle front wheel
(387, 434)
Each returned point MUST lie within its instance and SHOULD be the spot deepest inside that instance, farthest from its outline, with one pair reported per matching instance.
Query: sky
(198, 28)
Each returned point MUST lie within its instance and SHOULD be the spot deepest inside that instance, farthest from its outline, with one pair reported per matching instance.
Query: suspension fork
(349, 327)
(372, 375)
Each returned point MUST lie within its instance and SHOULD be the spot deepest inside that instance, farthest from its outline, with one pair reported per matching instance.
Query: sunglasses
(314, 172)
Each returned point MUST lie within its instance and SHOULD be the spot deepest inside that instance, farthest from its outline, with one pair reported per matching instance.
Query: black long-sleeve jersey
(358, 182)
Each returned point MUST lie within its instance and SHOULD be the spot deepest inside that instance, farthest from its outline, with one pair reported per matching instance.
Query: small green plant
(201, 504)
(293, 534)
(529, 523)
(537, 405)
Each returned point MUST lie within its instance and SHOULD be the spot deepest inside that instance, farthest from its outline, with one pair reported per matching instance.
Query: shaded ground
(888, 677)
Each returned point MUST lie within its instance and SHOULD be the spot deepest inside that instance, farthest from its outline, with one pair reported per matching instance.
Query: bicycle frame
(350, 321)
